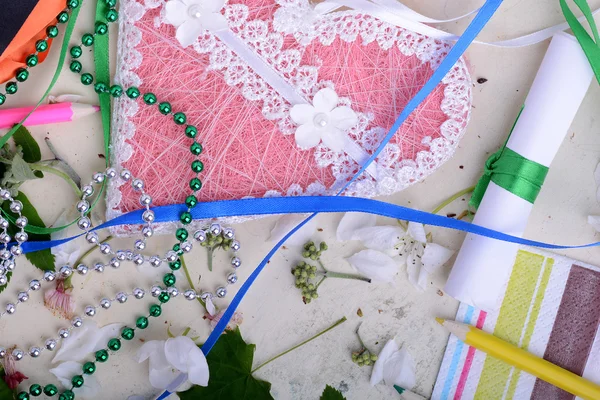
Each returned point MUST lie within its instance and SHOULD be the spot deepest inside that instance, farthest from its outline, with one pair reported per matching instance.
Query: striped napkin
(551, 308)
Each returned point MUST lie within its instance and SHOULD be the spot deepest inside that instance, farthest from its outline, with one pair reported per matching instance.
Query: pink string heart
(244, 125)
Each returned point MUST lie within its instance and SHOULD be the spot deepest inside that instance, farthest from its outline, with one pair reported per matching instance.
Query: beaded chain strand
(181, 234)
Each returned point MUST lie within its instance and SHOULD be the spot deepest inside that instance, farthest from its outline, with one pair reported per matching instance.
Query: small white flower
(67, 370)
(323, 121)
(169, 358)
(192, 17)
(390, 245)
(288, 222)
(86, 339)
(394, 366)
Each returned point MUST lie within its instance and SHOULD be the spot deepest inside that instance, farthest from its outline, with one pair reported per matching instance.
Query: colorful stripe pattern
(541, 307)
(574, 329)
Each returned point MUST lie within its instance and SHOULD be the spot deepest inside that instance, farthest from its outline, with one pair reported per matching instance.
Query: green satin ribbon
(102, 64)
(513, 172)
(590, 46)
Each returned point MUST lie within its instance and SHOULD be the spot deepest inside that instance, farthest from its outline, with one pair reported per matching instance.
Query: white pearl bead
(147, 231)
(21, 222)
(190, 294)
(138, 293)
(121, 297)
(155, 261)
(125, 175)
(82, 206)
(82, 269)
(64, 333)
(10, 308)
(87, 191)
(35, 352)
(99, 267)
(34, 285)
(18, 354)
(77, 322)
(90, 311)
(98, 177)
(66, 271)
(236, 262)
(23, 297)
(84, 223)
(49, 276)
(16, 206)
(2, 352)
(105, 303)
(221, 292)
(321, 120)
(50, 344)
(115, 263)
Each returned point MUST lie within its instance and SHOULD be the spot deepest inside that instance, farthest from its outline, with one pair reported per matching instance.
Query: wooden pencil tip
(440, 321)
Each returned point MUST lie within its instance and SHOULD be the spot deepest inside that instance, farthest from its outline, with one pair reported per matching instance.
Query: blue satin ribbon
(304, 205)
(483, 16)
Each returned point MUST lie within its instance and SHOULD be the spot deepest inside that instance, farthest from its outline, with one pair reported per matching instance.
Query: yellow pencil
(523, 360)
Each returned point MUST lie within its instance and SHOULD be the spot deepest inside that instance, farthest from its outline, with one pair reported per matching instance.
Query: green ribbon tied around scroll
(513, 172)
(590, 46)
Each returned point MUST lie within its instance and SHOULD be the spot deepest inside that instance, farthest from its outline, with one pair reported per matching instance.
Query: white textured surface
(275, 318)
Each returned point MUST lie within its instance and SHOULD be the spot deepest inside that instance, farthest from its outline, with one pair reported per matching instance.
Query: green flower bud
(312, 275)
(315, 295)
(296, 272)
(304, 274)
(313, 257)
(305, 254)
(323, 246)
(312, 248)
(311, 286)
(373, 357)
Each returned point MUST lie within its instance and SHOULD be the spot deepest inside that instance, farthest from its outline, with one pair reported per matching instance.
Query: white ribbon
(396, 13)
(287, 91)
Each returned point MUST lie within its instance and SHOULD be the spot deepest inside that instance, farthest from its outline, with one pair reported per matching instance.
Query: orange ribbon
(23, 44)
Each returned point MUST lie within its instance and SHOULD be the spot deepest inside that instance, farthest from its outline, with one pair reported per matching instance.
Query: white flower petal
(377, 374)
(85, 340)
(414, 268)
(65, 372)
(188, 32)
(333, 137)
(197, 370)
(214, 22)
(434, 256)
(210, 307)
(325, 100)
(212, 6)
(382, 238)
(176, 12)
(417, 232)
(302, 114)
(375, 265)
(177, 351)
(152, 348)
(161, 378)
(307, 136)
(353, 221)
(288, 222)
(594, 221)
(343, 117)
(399, 369)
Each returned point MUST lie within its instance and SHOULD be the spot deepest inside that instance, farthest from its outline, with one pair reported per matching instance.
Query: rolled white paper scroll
(483, 265)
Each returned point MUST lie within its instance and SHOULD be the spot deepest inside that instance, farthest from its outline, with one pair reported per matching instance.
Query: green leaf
(42, 259)
(31, 149)
(5, 392)
(331, 394)
(21, 171)
(230, 365)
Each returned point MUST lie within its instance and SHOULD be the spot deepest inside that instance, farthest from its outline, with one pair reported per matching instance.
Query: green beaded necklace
(100, 356)
(195, 184)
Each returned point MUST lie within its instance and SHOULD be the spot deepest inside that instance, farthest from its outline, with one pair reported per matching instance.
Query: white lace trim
(296, 17)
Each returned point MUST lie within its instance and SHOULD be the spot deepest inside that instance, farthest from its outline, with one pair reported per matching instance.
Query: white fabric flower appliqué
(323, 121)
(192, 17)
